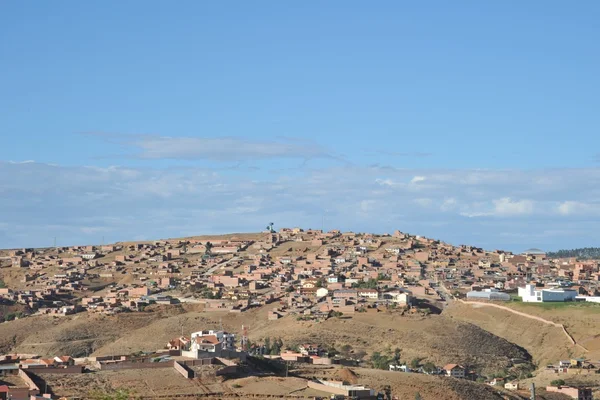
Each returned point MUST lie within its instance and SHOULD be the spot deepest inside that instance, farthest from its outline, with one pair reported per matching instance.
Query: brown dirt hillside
(77, 335)
(545, 343)
(580, 319)
(437, 338)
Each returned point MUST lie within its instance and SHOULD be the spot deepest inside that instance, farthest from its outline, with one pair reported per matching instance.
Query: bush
(558, 382)
(236, 386)
(380, 361)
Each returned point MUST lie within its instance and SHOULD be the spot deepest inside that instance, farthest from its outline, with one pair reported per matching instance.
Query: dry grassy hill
(546, 343)
(439, 339)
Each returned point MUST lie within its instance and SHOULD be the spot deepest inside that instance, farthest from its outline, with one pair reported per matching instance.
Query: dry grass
(547, 344)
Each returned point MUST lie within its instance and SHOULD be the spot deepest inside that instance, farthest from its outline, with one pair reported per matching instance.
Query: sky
(467, 121)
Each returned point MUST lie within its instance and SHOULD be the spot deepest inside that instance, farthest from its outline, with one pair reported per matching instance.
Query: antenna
(244, 338)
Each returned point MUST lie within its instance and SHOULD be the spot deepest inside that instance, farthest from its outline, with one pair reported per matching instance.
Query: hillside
(545, 343)
(438, 339)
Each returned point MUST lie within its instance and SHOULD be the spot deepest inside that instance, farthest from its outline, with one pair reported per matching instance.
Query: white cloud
(507, 206)
(385, 182)
(570, 207)
(82, 204)
(417, 179)
(448, 204)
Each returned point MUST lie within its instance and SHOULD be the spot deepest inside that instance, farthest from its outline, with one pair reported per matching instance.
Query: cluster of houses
(312, 273)
(532, 276)
(575, 366)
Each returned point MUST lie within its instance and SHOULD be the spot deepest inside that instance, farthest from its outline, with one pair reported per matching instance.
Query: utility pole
(532, 389)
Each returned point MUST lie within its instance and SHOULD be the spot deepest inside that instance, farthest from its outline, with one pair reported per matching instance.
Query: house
(401, 368)
(497, 382)
(309, 349)
(179, 343)
(368, 293)
(574, 393)
(514, 385)
(212, 340)
(66, 361)
(564, 363)
(89, 256)
(208, 343)
(454, 370)
(577, 362)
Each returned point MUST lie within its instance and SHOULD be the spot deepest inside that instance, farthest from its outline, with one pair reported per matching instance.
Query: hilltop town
(253, 282)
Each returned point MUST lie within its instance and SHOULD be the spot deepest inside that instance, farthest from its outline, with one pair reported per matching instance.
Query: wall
(33, 389)
(326, 388)
(183, 370)
(201, 361)
(134, 365)
(218, 353)
(73, 369)
(340, 389)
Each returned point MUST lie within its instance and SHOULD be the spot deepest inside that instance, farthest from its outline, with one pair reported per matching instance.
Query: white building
(530, 295)
(212, 340)
(399, 296)
(488, 294)
(368, 293)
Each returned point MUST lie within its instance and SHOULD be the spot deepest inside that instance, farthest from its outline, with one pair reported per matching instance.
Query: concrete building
(211, 340)
(488, 294)
(529, 294)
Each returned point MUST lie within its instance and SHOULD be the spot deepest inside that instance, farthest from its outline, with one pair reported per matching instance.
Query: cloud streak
(221, 149)
(487, 208)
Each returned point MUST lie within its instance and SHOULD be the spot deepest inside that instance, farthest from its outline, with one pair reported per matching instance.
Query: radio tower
(244, 338)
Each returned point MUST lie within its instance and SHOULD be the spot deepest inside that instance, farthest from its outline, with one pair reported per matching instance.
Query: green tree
(429, 367)
(276, 347)
(268, 345)
(345, 350)
(415, 363)
(396, 358)
(2, 284)
(418, 396)
(380, 361)
(558, 382)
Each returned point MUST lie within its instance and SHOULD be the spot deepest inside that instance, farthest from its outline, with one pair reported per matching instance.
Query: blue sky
(473, 122)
